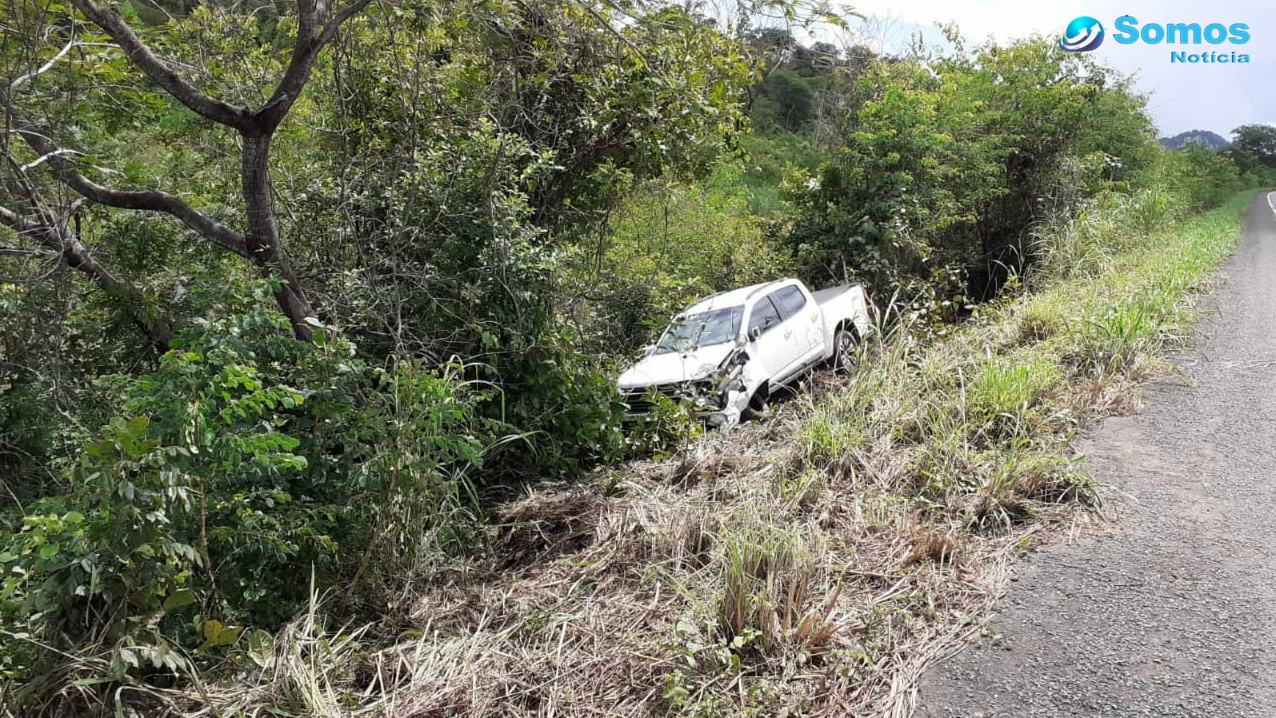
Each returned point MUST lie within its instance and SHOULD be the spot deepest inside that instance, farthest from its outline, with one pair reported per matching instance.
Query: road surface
(1175, 615)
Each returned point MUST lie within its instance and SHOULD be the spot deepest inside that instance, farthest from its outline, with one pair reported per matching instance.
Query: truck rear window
(789, 300)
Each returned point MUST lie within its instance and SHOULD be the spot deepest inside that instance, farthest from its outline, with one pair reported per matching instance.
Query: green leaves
(941, 169)
(217, 635)
(260, 647)
(179, 599)
(245, 459)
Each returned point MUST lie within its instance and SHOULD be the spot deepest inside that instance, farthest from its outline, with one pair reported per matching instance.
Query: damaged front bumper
(719, 399)
(732, 396)
(732, 409)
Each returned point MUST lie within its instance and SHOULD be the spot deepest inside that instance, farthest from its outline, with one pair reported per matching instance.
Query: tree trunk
(264, 247)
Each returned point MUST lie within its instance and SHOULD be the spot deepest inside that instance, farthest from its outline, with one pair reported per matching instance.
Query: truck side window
(790, 300)
(764, 316)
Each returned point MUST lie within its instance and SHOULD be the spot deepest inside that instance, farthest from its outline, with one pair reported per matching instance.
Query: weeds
(770, 572)
(1007, 394)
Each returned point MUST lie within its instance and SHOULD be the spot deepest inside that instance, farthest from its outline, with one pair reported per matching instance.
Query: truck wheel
(759, 405)
(844, 354)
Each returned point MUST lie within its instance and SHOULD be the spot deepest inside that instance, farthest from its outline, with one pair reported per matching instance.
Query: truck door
(803, 318)
(773, 339)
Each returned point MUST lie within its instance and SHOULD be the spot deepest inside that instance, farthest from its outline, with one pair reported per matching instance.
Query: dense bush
(667, 246)
(468, 226)
(245, 462)
(937, 170)
(1202, 177)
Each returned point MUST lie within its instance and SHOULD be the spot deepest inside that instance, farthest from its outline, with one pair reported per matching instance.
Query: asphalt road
(1176, 614)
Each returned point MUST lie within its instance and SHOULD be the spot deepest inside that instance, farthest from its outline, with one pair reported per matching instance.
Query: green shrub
(1205, 178)
(244, 463)
(670, 245)
(668, 425)
(565, 407)
(938, 172)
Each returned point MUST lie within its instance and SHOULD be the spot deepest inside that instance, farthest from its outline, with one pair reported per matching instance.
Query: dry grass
(814, 564)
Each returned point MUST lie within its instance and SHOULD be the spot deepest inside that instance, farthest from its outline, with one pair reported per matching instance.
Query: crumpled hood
(674, 367)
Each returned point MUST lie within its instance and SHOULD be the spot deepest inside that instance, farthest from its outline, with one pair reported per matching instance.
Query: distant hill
(1203, 137)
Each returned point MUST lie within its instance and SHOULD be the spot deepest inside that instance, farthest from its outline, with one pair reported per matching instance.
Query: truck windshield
(701, 330)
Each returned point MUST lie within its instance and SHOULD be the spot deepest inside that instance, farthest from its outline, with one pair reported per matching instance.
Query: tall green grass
(989, 413)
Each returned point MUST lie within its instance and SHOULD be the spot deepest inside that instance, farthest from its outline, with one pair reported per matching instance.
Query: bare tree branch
(61, 152)
(354, 8)
(262, 242)
(160, 72)
(148, 199)
(22, 80)
(157, 201)
(312, 36)
(22, 252)
(55, 236)
(13, 221)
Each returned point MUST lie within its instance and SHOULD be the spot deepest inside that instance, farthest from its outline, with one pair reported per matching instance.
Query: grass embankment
(810, 565)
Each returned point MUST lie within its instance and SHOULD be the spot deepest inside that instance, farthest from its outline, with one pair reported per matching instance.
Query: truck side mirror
(648, 350)
(754, 333)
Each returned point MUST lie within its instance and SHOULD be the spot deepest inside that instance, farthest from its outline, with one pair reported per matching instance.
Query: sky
(1217, 97)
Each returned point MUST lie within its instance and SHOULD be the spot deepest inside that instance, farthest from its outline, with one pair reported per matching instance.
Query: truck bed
(824, 295)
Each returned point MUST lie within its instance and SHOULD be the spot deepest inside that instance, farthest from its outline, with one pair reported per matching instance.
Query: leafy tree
(1257, 141)
(1202, 177)
(937, 171)
(785, 99)
(41, 219)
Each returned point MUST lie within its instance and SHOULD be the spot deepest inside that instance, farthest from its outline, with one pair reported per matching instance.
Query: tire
(759, 407)
(845, 357)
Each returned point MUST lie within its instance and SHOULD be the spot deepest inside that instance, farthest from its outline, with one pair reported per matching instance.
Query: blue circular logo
(1082, 35)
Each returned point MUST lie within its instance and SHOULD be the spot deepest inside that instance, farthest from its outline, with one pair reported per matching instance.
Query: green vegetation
(1254, 145)
(941, 167)
(817, 560)
(828, 556)
(283, 338)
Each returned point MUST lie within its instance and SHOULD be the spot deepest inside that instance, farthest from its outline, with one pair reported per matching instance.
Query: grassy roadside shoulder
(812, 565)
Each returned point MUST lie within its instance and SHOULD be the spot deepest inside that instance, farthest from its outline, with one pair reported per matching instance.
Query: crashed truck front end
(719, 396)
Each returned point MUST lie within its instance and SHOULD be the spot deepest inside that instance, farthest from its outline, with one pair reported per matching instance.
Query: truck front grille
(641, 400)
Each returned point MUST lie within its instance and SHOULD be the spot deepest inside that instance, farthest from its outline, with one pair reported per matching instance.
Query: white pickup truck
(727, 353)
